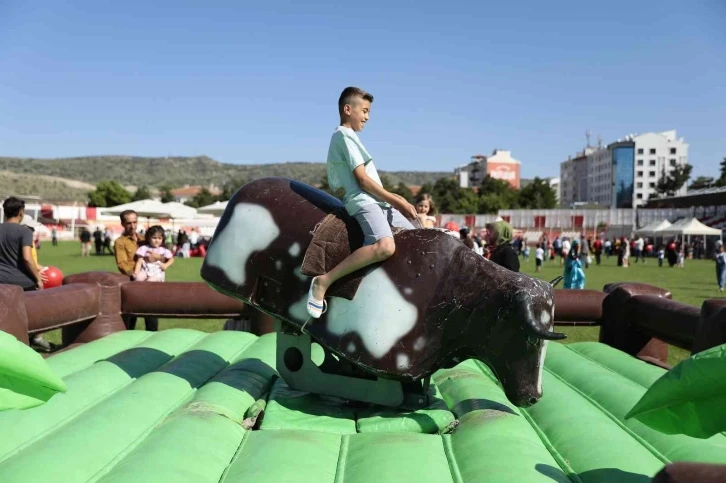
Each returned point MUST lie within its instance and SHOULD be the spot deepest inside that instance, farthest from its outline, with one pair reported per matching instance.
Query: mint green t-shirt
(346, 153)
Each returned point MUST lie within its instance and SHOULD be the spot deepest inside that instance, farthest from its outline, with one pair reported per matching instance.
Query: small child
(526, 253)
(681, 257)
(538, 258)
(374, 208)
(425, 209)
(146, 270)
(661, 255)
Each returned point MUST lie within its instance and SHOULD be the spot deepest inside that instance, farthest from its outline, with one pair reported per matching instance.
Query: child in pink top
(146, 270)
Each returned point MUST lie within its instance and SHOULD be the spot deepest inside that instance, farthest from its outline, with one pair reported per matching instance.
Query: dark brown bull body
(433, 303)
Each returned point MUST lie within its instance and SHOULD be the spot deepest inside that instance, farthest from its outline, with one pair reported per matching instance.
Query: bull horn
(534, 329)
(556, 281)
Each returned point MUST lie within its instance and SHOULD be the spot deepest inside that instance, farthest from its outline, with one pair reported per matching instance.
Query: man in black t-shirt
(16, 260)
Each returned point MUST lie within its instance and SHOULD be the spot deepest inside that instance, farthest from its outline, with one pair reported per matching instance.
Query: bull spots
(302, 277)
(351, 347)
(294, 250)
(419, 344)
(378, 314)
(251, 228)
(544, 317)
(402, 362)
(278, 265)
(408, 290)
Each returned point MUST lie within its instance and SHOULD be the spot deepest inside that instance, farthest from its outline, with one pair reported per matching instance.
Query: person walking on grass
(351, 168)
(538, 258)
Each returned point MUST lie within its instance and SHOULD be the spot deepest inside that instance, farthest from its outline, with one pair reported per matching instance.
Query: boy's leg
(378, 245)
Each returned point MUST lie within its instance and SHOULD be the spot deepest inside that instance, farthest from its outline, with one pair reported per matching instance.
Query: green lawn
(692, 284)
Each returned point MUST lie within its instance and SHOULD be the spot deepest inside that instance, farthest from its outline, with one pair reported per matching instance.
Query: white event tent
(654, 227)
(216, 208)
(688, 227)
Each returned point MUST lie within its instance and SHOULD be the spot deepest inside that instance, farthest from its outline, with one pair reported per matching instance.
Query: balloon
(54, 277)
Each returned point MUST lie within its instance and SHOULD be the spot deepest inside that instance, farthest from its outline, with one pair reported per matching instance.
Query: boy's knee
(385, 248)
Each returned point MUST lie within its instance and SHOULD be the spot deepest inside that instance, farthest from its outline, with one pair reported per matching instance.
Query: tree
(108, 193)
(142, 193)
(230, 188)
(166, 194)
(325, 186)
(701, 182)
(721, 181)
(496, 194)
(669, 184)
(451, 198)
(402, 189)
(538, 195)
(203, 198)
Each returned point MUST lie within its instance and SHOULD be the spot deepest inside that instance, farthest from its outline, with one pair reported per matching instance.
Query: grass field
(692, 284)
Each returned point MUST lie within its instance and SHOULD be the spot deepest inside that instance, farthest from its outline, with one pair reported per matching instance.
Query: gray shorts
(376, 222)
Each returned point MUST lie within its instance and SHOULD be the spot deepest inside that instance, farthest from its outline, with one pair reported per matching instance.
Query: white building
(623, 174)
(656, 154)
(500, 165)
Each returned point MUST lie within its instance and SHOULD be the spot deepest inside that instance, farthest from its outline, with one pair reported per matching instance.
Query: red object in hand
(54, 277)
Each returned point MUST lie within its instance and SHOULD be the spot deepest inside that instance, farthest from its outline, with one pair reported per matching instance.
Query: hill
(48, 187)
(175, 171)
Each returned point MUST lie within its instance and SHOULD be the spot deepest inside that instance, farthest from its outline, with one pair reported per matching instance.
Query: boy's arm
(373, 188)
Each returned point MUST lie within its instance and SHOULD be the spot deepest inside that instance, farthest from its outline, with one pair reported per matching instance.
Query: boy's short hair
(12, 207)
(350, 93)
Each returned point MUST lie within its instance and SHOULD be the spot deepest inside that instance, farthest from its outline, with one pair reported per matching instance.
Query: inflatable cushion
(689, 399)
(26, 380)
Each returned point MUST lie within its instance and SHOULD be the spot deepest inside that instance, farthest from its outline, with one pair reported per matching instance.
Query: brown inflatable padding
(99, 277)
(619, 330)
(55, 307)
(712, 325)
(691, 473)
(13, 318)
(106, 322)
(665, 319)
(177, 299)
(578, 306)
(638, 289)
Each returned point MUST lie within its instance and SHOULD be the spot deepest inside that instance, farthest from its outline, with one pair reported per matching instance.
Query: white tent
(216, 208)
(688, 227)
(144, 208)
(654, 227)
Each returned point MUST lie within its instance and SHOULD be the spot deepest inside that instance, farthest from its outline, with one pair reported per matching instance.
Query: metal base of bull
(340, 378)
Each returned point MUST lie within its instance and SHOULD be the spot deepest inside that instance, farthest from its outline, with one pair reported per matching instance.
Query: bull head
(518, 344)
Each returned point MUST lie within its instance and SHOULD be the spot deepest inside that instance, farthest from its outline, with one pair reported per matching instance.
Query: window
(673, 162)
(640, 161)
(652, 185)
(652, 150)
(651, 162)
(639, 196)
(639, 174)
(639, 184)
(652, 174)
(640, 150)
(673, 150)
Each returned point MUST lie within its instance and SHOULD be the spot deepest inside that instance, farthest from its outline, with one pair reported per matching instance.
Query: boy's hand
(406, 208)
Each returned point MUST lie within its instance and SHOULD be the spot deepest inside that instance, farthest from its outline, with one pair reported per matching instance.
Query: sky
(259, 84)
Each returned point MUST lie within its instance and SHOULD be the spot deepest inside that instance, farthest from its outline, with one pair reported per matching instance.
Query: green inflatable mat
(186, 406)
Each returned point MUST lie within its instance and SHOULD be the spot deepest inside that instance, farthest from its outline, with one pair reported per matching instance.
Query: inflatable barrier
(185, 406)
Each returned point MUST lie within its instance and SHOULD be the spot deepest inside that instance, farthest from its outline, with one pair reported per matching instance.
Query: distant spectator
(499, 236)
(54, 236)
(539, 254)
(720, 257)
(107, 242)
(85, 242)
(98, 240)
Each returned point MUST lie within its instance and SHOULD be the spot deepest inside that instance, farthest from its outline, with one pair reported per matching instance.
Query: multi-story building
(500, 165)
(623, 174)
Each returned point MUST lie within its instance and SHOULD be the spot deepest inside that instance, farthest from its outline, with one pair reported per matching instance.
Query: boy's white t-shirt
(346, 153)
(539, 253)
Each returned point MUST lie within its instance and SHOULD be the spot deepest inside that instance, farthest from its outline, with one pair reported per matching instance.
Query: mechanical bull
(432, 304)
